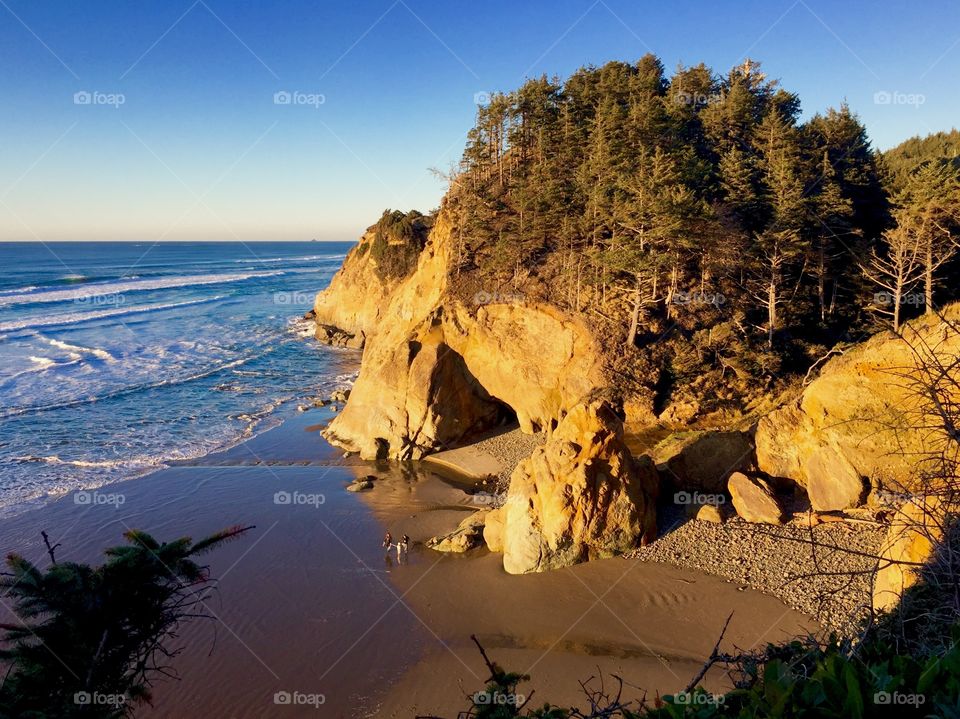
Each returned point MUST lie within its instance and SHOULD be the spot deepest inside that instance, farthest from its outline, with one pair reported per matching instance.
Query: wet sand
(308, 603)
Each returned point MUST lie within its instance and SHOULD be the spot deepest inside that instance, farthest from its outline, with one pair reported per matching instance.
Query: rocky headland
(826, 460)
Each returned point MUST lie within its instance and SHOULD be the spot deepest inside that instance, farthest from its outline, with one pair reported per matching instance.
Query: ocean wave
(42, 362)
(73, 349)
(17, 290)
(106, 463)
(36, 409)
(253, 261)
(116, 288)
(77, 317)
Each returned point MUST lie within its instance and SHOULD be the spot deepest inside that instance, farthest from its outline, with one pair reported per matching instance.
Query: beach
(307, 603)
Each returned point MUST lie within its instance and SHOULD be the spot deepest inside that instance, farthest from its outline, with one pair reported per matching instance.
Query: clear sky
(181, 138)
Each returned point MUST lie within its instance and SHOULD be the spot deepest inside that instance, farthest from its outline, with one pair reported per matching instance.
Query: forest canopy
(700, 200)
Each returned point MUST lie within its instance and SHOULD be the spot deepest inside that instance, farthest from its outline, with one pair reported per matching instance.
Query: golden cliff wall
(435, 370)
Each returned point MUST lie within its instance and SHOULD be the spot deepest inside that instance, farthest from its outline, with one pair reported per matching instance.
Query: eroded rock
(915, 531)
(861, 417)
(468, 535)
(754, 500)
(581, 496)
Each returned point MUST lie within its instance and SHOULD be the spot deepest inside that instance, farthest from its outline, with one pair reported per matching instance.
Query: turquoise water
(116, 358)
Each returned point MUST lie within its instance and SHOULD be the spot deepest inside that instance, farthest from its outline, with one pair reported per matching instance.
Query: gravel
(510, 448)
(780, 561)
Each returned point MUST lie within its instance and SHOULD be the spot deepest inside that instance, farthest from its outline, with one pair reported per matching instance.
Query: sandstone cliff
(860, 422)
(356, 298)
(436, 369)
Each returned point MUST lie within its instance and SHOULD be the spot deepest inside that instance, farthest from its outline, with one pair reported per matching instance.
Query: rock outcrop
(355, 302)
(915, 531)
(581, 496)
(435, 370)
(858, 422)
(468, 535)
(754, 500)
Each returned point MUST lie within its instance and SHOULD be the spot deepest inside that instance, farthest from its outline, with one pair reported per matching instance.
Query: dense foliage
(696, 208)
(397, 240)
(88, 641)
(901, 161)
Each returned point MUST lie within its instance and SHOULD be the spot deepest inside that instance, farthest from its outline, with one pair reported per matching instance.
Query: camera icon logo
(282, 97)
(282, 498)
(82, 98)
(282, 698)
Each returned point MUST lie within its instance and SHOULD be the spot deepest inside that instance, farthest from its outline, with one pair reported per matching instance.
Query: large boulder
(753, 499)
(861, 419)
(580, 496)
(702, 460)
(915, 531)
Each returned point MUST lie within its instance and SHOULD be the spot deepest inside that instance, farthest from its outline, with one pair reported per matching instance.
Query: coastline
(308, 603)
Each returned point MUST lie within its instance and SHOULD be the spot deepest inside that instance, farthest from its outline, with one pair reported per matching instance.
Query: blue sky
(199, 150)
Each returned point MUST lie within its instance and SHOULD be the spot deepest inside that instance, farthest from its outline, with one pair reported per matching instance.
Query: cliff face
(436, 370)
(863, 418)
(356, 298)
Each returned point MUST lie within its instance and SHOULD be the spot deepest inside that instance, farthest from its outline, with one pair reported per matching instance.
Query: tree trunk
(635, 317)
(821, 281)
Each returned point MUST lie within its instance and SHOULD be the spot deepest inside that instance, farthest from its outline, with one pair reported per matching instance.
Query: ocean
(118, 358)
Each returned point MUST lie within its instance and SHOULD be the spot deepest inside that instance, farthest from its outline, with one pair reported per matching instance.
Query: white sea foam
(76, 317)
(254, 261)
(119, 288)
(18, 290)
(73, 349)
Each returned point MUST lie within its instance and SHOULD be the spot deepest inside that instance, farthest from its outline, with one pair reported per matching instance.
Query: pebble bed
(831, 585)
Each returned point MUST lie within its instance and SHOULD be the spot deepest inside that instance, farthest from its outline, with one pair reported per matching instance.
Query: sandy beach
(308, 603)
